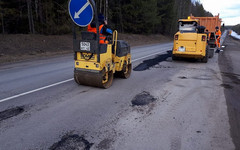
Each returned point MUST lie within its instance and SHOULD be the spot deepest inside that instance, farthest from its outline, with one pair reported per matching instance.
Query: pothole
(72, 142)
(105, 144)
(142, 99)
(182, 77)
(11, 113)
(199, 131)
(146, 64)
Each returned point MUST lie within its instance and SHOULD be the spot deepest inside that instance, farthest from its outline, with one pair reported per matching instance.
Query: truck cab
(190, 41)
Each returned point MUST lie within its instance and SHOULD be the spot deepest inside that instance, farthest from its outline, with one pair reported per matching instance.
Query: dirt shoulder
(229, 64)
(20, 47)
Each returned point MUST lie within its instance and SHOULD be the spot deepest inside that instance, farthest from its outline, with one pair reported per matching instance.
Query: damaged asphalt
(181, 102)
(6, 114)
(144, 98)
(72, 142)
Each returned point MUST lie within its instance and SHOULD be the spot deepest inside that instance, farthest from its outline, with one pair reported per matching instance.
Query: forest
(236, 28)
(50, 17)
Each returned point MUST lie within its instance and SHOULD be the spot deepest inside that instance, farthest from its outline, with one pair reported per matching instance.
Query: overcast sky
(229, 10)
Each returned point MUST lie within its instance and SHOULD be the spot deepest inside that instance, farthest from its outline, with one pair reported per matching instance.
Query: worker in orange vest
(218, 34)
(104, 30)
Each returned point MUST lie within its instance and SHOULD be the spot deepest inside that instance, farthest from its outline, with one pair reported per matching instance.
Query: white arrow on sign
(76, 16)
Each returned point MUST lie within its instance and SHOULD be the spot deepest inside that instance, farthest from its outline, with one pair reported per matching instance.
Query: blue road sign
(81, 12)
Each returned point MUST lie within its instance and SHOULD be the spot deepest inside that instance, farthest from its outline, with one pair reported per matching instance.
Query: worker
(218, 34)
(104, 30)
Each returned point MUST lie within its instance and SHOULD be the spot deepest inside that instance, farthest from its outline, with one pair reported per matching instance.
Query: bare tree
(1, 11)
(3, 30)
(30, 17)
(36, 8)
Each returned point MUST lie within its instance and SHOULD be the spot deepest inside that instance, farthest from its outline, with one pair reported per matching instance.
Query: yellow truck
(190, 41)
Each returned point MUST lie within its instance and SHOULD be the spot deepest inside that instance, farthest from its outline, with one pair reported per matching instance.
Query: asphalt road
(182, 105)
(229, 63)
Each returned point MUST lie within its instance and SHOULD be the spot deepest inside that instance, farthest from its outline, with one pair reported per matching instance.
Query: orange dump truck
(210, 23)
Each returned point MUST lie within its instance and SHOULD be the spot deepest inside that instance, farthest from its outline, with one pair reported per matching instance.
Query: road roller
(97, 64)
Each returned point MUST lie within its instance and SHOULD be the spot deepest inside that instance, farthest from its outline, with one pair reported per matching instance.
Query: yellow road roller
(96, 64)
(190, 41)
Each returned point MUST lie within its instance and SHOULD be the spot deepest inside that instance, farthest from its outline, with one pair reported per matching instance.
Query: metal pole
(106, 15)
(74, 31)
(97, 27)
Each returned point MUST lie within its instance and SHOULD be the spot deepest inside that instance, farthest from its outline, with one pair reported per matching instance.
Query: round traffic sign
(81, 12)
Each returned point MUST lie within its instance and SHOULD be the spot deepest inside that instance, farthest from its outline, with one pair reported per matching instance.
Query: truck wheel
(205, 58)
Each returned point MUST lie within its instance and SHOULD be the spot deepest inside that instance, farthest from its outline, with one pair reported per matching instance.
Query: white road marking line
(32, 91)
(65, 81)
(76, 16)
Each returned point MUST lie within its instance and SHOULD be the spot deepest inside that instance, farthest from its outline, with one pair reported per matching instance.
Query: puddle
(146, 64)
(142, 99)
(72, 142)
(11, 113)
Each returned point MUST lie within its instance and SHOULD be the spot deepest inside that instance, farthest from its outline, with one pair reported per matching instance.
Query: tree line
(236, 28)
(127, 16)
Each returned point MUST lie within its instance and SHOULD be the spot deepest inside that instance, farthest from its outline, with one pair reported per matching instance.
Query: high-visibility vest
(90, 29)
(218, 34)
(102, 38)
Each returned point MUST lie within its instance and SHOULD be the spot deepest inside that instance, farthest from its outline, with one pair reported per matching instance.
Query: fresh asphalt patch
(72, 142)
(142, 99)
(146, 64)
(6, 114)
